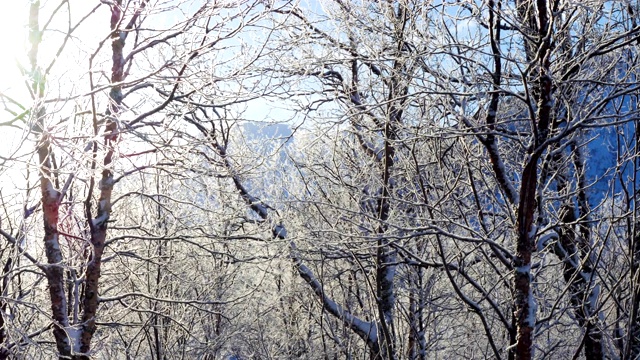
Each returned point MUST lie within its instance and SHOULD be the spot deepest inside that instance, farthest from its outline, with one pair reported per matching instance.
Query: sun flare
(13, 44)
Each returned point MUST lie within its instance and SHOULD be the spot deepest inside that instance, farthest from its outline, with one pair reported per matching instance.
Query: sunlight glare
(13, 44)
(13, 55)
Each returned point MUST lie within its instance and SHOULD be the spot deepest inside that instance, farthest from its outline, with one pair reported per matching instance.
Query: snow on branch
(364, 329)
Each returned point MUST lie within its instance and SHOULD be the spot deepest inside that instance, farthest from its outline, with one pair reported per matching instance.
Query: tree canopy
(320, 180)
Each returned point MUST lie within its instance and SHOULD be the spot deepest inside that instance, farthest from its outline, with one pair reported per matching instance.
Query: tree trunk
(525, 305)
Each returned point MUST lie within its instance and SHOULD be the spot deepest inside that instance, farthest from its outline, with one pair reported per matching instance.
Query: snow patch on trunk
(593, 299)
(55, 245)
(53, 193)
(533, 309)
(74, 333)
(100, 219)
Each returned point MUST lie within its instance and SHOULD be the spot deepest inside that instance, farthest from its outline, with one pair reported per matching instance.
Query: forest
(320, 179)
